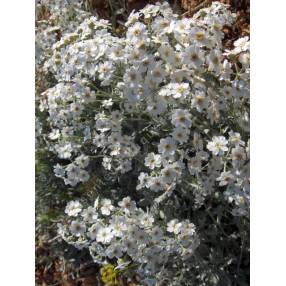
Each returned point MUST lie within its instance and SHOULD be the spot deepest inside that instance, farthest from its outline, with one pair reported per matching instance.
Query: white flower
(181, 118)
(65, 150)
(193, 56)
(235, 138)
(103, 124)
(99, 140)
(153, 161)
(130, 246)
(174, 226)
(114, 251)
(83, 176)
(195, 165)
(141, 236)
(104, 235)
(146, 220)
(218, 145)
(181, 134)
(118, 225)
(73, 170)
(132, 18)
(199, 35)
(55, 134)
(157, 107)
(214, 61)
(116, 116)
(156, 184)
(168, 174)
(105, 70)
(167, 52)
(238, 155)
(89, 214)
(167, 159)
(77, 228)
(73, 208)
(157, 73)
(136, 32)
(106, 207)
(114, 139)
(199, 101)
(132, 77)
(82, 161)
(244, 59)
(107, 103)
(143, 179)
(76, 109)
(241, 45)
(127, 204)
(106, 163)
(59, 170)
(167, 146)
(180, 90)
(188, 228)
(92, 231)
(225, 178)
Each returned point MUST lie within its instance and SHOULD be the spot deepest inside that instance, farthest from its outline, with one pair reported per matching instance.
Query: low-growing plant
(160, 117)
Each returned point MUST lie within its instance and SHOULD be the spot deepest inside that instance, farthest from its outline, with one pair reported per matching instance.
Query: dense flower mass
(165, 104)
(128, 233)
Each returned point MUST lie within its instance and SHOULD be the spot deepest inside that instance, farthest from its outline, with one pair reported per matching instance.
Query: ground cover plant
(142, 144)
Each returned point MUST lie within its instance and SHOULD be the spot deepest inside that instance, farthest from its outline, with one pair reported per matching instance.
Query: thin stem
(216, 223)
(239, 261)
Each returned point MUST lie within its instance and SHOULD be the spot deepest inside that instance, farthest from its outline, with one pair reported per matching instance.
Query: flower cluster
(172, 71)
(128, 234)
(161, 113)
(54, 18)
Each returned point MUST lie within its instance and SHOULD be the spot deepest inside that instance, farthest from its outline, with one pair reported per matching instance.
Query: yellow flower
(109, 275)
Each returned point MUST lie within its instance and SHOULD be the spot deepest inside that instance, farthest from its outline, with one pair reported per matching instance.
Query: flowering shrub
(161, 114)
(130, 234)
